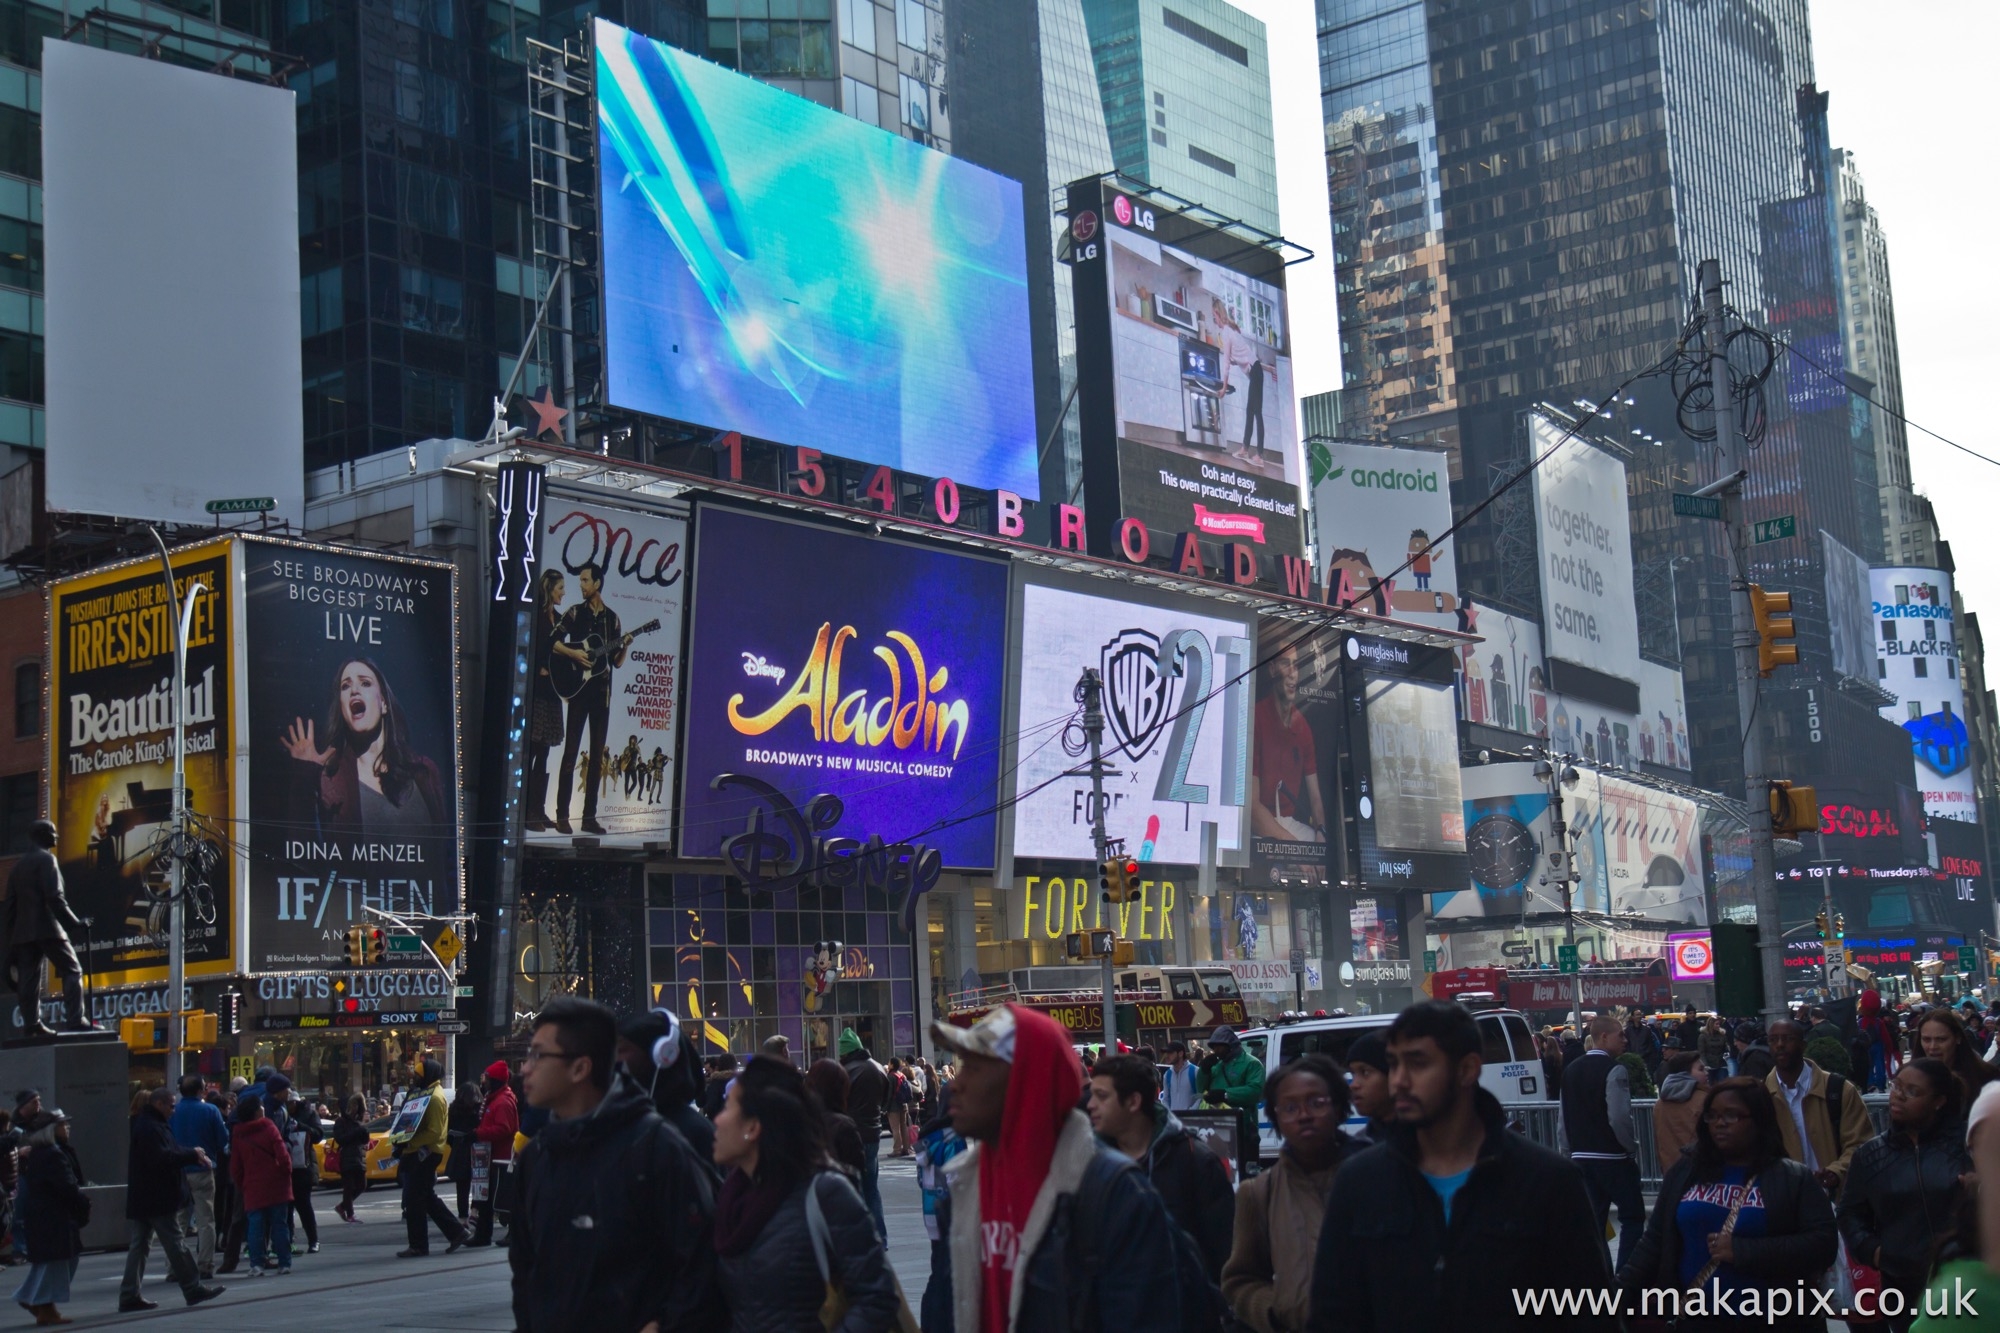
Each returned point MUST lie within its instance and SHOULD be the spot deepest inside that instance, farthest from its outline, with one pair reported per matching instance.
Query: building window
(433, 405)
(20, 807)
(910, 27)
(428, 199)
(1888, 631)
(20, 366)
(20, 142)
(1211, 161)
(1951, 667)
(858, 100)
(857, 26)
(916, 104)
(21, 254)
(319, 302)
(1160, 138)
(430, 15)
(325, 404)
(1916, 708)
(1921, 666)
(319, 198)
(427, 99)
(433, 303)
(22, 27)
(27, 700)
(317, 91)
(1208, 37)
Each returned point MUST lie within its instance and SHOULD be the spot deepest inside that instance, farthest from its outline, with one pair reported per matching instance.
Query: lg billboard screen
(823, 662)
(1185, 358)
(779, 269)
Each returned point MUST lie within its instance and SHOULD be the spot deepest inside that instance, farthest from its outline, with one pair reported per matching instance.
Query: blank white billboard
(170, 203)
(1589, 615)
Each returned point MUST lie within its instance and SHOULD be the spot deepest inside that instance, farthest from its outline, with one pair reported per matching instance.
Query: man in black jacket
(153, 1202)
(1597, 1124)
(612, 1212)
(1125, 1111)
(867, 1107)
(35, 923)
(1437, 1229)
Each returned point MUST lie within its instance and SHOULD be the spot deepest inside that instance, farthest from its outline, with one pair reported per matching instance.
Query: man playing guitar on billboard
(589, 636)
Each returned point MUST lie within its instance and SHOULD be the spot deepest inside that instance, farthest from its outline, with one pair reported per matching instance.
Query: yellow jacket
(429, 1134)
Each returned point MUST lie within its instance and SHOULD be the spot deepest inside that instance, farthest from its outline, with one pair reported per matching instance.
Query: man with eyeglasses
(613, 1213)
(1125, 1111)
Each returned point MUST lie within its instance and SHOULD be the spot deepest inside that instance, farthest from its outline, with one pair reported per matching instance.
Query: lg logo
(1131, 215)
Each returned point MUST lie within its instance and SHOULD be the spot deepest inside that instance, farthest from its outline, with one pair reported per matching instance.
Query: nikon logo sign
(1386, 479)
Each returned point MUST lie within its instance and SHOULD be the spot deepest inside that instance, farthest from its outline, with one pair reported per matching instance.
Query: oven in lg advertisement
(353, 744)
(825, 662)
(111, 763)
(605, 696)
(1403, 744)
(1177, 686)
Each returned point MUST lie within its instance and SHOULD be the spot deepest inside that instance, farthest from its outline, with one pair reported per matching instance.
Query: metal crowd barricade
(1542, 1122)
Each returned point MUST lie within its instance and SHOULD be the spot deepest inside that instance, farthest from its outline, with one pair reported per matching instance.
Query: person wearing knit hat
(1368, 1085)
(499, 1122)
(867, 1107)
(1015, 1101)
(660, 1055)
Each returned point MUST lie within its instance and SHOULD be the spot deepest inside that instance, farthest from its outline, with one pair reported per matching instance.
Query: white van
(1513, 1070)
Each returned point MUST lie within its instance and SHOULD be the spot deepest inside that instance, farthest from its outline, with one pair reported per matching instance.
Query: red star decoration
(548, 413)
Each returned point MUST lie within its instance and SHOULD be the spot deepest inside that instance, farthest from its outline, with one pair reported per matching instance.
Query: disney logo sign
(784, 847)
(754, 664)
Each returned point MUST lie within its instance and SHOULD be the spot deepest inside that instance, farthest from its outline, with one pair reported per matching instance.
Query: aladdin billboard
(823, 662)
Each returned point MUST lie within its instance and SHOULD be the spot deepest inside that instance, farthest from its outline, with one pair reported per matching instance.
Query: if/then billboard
(776, 268)
(111, 762)
(826, 662)
(353, 745)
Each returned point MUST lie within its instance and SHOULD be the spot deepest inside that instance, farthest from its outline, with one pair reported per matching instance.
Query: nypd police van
(1512, 1072)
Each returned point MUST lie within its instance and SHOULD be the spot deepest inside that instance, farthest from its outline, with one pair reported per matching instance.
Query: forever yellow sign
(1053, 907)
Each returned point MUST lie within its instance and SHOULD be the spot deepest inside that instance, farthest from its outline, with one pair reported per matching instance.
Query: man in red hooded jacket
(498, 1124)
(1018, 1261)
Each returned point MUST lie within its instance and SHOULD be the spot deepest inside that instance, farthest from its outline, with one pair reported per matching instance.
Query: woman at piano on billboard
(357, 772)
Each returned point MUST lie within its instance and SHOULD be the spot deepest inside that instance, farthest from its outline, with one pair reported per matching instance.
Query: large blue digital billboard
(870, 670)
(779, 269)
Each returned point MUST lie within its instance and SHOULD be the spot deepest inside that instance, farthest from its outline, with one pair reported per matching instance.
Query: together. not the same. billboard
(111, 763)
(1177, 686)
(1589, 615)
(1918, 651)
(606, 677)
(353, 748)
(827, 662)
(777, 268)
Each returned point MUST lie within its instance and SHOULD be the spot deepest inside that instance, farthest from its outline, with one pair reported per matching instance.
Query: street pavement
(356, 1282)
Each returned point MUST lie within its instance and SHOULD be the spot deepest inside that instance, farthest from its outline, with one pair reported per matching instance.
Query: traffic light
(200, 1030)
(375, 944)
(1794, 810)
(1119, 877)
(1820, 920)
(355, 950)
(1772, 612)
(1093, 944)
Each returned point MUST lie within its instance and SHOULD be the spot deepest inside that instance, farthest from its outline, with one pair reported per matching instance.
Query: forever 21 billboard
(353, 747)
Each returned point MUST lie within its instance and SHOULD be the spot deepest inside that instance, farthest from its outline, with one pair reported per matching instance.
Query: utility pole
(1562, 868)
(1090, 689)
(180, 612)
(1731, 471)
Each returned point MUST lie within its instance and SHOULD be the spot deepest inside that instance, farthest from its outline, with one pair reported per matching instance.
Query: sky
(1909, 99)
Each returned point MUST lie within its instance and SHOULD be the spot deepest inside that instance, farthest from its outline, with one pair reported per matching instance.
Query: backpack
(1203, 1310)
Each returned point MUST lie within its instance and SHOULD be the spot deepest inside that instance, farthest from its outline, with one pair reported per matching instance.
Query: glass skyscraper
(1520, 196)
(1186, 89)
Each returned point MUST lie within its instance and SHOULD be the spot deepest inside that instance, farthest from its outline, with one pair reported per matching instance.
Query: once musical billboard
(776, 268)
(111, 763)
(604, 699)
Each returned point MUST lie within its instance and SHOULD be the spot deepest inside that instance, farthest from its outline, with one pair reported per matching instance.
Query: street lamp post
(180, 614)
(1556, 770)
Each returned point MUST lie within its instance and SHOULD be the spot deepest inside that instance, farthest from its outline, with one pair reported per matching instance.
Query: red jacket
(259, 1164)
(498, 1124)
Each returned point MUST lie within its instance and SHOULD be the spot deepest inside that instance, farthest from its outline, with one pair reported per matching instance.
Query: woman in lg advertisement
(368, 779)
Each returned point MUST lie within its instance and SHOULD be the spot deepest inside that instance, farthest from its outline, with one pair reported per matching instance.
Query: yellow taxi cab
(381, 1165)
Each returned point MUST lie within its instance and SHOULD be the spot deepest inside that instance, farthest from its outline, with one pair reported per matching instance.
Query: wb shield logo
(1139, 693)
